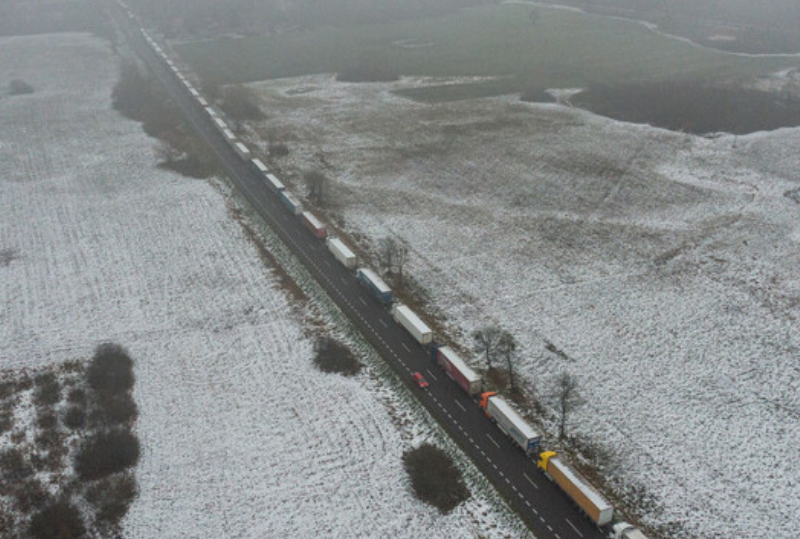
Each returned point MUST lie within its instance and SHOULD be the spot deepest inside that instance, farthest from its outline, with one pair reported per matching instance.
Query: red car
(420, 380)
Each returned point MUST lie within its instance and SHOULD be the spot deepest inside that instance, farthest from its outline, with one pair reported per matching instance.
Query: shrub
(48, 440)
(278, 149)
(75, 417)
(111, 370)
(46, 420)
(30, 495)
(77, 396)
(107, 453)
(6, 422)
(112, 497)
(19, 87)
(14, 467)
(333, 356)
(434, 478)
(60, 520)
(116, 409)
(48, 390)
(241, 103)
(7, 389)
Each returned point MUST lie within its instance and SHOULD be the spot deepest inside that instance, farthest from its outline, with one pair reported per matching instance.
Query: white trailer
(202, 101)
(229, 136)
(194, 92)
(409, 320)
(275, 183)
(510, 422)
(211, 112)
(260, 166)
(242, 150)
(222, 126)
(342, 253)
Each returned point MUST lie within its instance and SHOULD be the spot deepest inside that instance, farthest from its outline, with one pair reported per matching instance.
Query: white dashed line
(462, 408)
(573, 527)
(531, 481)
(493, 441)
(432, 376)
(406, 347)
(383, 323)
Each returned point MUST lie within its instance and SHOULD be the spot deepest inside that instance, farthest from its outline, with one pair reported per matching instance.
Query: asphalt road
(547, 511)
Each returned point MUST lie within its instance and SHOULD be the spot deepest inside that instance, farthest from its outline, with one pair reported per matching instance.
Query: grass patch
(563, 49)
(435, 478)
(333, 356)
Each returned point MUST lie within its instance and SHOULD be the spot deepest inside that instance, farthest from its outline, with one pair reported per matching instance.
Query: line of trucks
(508, 420)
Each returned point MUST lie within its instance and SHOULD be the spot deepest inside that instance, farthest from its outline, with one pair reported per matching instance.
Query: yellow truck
(577, 487)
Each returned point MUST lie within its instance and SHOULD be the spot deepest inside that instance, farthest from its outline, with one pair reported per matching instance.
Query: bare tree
(507, 348)
(566, 399)
(386, 248)
(400, 257)
(316, 182)
(486, 339)
(166, 152)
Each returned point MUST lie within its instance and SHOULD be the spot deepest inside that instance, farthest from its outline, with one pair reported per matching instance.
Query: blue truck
(375, 285)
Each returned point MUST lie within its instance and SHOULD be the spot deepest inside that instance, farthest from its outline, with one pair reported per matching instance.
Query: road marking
(542, 519)
(573, 527)
(432, 376)
(406, 347)
(492, 439)
(383, 323)
(461, 406)
(531, 481)
(328, 264)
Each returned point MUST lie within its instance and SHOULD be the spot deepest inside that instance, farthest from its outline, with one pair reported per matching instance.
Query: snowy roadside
(241, 435)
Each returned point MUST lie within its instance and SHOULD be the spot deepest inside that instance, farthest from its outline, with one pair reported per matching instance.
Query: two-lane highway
(545, 509)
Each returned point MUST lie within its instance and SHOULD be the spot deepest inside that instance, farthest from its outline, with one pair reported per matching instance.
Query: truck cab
(623, 530)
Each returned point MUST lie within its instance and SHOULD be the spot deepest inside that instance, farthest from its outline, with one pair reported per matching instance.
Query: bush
(77, 396)
(434, 478)
(111, 370)
(112, 497)
(14, 467)
(107, 453)
(75, 417)
(333, 356)
(278, 149)
(19, 87)
(6, 422)
(60, 520)
(116, 410)
(48, 390)
(46, 420)
(241, 103)
(30, 495)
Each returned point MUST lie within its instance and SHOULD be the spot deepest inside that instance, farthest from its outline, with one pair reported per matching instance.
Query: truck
(242, 150)
(375, 284)
(316, 226)
(221, 125)
(456, 369)
(275, 183)
(291, 202)
(212, 113)
(259, 166)
(341, 252)
(413, 324)
(510, 422)
(623, 530)
(202, 101)
(229, 136)
(576, 487)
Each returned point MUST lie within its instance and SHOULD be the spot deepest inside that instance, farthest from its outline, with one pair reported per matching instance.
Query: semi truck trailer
(413, 323)
(291, 202)
(375, 285)
(341, 252)
(576, 487)
(456, 369)
(316, 226)
(510, 422)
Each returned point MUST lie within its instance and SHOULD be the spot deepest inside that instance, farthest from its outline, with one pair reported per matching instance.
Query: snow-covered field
(242, 437)
(666, 268)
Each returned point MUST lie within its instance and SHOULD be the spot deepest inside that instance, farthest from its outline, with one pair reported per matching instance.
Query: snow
(664, 266)
(242, 436)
